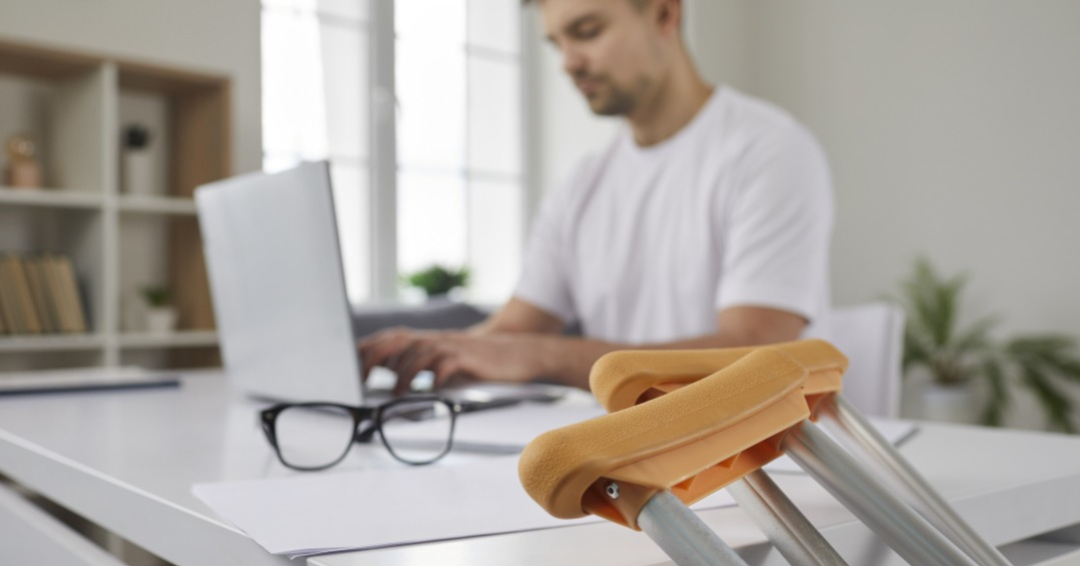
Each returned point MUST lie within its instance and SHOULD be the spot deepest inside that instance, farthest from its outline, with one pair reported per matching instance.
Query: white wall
(954, 131)
(718, 34)
(206, 35)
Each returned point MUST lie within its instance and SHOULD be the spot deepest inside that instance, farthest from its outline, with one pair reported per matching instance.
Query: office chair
(871, 335)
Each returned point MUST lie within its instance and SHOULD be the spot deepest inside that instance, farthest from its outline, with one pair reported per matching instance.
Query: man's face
(611, 49)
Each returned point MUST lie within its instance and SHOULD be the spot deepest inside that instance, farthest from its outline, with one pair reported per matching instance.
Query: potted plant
(955, 357)
(138, 161)
(160, 314)
(438, 281)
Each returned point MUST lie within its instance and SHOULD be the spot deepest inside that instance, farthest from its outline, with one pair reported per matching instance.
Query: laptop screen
(278, 286)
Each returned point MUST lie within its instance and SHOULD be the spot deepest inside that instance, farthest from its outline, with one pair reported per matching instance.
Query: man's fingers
(417, 358)
(376, 350)
(447, 367)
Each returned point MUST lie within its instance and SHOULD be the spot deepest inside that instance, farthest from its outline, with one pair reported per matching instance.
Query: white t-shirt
(647, 244)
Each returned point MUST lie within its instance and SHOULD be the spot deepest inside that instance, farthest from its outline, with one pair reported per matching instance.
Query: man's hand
(499, 357)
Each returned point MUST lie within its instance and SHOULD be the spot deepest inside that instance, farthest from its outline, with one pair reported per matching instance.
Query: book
(40, 295)
(51, 301)
(8, 300)
(3, 327)
(70, 287)
(22, 292)
(55, 288)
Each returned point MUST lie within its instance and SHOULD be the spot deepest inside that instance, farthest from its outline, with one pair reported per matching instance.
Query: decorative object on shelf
(954, 358)
(161, 316)
(138, 161)
(438, 281)
(23, 170)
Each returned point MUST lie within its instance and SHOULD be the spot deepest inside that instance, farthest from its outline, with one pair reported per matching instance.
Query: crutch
(628, 377)
(706, 435)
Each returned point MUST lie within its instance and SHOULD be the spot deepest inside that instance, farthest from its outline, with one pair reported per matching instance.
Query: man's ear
(669, 15)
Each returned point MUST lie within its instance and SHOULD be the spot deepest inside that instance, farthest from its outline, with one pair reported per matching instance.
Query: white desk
(127, 460)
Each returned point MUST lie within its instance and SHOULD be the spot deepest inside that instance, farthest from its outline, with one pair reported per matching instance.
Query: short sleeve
(545, 276)
(778, 226)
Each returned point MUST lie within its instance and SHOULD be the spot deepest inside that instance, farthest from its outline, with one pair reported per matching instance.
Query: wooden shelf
(179, 339)
(52, 343)
(43, 62)
(52, 198)
(157, 205)
(117, 241)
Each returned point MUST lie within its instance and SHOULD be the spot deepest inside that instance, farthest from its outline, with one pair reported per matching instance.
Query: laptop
(278, 285)
(279, 295)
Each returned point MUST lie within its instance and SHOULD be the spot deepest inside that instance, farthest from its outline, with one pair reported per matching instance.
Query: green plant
(934, 340)
(438, 280)
(156, 295)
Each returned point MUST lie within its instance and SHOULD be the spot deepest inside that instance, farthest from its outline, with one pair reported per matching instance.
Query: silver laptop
(278, 285)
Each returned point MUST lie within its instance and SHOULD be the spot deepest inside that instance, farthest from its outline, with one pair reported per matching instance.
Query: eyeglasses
(315, 436)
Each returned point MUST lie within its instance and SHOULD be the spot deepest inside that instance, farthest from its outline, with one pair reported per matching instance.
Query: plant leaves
(994, 412)
(1058, 405)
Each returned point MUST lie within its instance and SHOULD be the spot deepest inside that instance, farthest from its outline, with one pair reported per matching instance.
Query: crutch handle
(692, 441)
(627, 378)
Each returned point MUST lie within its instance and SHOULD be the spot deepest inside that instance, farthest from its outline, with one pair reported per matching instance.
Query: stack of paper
(328, 511)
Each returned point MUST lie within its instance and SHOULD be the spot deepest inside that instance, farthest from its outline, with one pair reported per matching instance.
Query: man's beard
(618, 102)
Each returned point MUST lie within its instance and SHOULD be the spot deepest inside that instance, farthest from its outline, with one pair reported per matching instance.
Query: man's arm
(523, 356)
(519, 316)
(570, 360)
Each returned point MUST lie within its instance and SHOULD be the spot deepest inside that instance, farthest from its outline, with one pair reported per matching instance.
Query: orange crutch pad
(624, 379)
(718, 425)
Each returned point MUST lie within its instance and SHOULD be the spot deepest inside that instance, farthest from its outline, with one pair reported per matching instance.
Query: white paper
(327, 511)
(375, 508)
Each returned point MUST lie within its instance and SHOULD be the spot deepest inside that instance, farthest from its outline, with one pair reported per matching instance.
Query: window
(459, 183)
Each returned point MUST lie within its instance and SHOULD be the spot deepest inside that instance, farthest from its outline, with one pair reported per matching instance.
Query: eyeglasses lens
(313, 436)
(418, 432)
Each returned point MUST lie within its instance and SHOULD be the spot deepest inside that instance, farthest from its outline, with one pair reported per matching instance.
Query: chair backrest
(872, 337)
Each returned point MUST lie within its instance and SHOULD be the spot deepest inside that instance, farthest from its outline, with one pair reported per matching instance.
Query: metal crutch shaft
(682, 535)
(788, 529)
(922, 495)
(911, 536)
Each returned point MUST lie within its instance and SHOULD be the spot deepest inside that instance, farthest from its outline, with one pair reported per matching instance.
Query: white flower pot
(953, 403)
(139, 172)
(160, 320)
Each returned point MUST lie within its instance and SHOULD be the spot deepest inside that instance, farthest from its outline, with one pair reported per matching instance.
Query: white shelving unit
(190, 338)
(157, 205)
(76, 105)
(55, 199)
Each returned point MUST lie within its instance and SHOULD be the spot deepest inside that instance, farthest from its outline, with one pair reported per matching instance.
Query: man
(704, 224)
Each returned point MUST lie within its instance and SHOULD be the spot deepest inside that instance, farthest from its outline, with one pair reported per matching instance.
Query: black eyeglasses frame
(360, 415)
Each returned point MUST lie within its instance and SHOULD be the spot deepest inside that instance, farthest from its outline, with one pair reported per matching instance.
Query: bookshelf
(75, 105)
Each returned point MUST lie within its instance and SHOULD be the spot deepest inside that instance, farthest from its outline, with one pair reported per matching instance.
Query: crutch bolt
(612, 490)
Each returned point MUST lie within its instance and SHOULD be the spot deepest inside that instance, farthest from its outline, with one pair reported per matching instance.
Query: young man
(705, 223)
